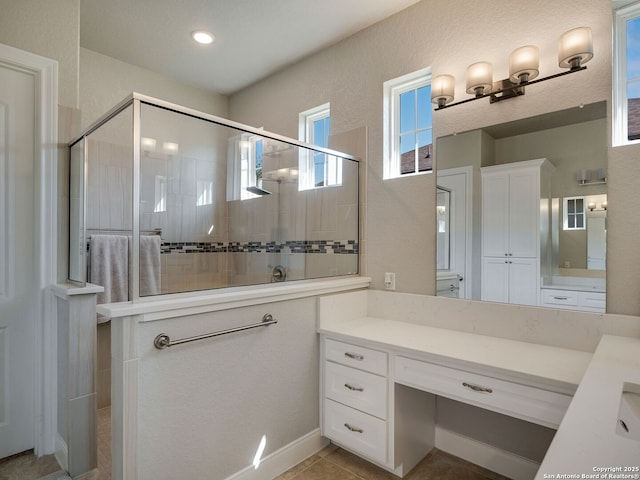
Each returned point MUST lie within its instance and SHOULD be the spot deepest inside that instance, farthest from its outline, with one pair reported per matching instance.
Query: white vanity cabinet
(586, 300)
(355, 393)
(510, 280)
(378, 393)
(515, 230)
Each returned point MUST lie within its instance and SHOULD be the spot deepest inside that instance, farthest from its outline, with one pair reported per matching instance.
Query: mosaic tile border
(337, 247)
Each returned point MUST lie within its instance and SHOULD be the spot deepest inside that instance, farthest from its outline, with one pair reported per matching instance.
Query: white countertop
(587, 438)
(537, 364)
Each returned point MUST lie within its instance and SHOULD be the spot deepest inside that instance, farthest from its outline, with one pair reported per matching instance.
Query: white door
(495, 279)
(523, 284)
(18, 279)
(596, 243)
(523, 214)
(458, 182)
(495, 215)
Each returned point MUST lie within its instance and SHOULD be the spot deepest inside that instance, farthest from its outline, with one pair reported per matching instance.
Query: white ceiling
(254, 38)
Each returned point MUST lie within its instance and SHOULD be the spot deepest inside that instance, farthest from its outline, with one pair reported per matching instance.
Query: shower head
(258, 191)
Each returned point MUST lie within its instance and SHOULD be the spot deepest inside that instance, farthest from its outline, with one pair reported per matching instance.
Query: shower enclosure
(165, 199)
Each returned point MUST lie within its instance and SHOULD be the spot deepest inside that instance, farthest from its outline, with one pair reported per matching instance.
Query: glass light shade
(479, 76)
(583, 176)
(524, 62)
(442, 88)
(575, 47)
(148, 143)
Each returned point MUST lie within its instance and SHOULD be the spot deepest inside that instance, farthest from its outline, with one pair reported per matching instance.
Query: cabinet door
(495, 279)
(523, 281)
(495, 215)
(524, 207)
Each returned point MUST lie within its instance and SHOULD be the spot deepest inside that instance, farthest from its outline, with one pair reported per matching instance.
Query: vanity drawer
(354, 356)
(559, 297)
(355, 388)
(595, 300)
(355, 430)
(521, 401)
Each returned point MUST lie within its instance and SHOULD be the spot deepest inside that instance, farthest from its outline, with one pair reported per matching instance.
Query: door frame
(45, 73)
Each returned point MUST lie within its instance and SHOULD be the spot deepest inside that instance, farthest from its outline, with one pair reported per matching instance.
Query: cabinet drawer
(355, 430)
(559, 297)
(521, 401)
(357, 389)
(595, 300)
(354, 356)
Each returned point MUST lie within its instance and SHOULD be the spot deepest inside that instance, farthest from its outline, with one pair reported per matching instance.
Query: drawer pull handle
(353, 356)
(561, 298)
(477, 388)
(354, 429)
(354, 389)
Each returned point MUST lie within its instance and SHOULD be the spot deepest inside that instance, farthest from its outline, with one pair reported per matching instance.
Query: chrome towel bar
(163, 341)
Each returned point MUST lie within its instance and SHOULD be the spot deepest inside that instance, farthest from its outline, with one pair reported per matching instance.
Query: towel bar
(163, 341)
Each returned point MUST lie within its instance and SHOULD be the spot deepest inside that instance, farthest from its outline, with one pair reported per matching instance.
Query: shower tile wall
(109, 186)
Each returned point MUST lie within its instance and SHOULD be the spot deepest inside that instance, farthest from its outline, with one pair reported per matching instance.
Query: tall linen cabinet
(516, 239)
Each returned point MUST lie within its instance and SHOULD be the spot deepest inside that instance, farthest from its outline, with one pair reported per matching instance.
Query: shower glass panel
(209, 203)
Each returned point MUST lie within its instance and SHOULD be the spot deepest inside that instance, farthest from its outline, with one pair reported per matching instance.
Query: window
(317, 169)
(574, 213)
(160, 194)
(407, 117)
(626, 88)
(245, 161)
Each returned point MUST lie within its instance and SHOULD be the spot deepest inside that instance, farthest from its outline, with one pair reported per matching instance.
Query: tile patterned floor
(334, 463)
(331, 463)
(27, 467)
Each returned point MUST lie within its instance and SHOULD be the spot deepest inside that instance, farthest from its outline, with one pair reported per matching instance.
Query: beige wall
(449, 36)
(105, 82)
(49, 28)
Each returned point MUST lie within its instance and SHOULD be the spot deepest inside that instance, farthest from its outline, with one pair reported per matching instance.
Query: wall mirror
(521, 211)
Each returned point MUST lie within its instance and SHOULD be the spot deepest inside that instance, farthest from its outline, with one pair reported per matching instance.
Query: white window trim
(390, 115)
(242, 162)
(565, 214)
(620, 133)
(333, 165)
(306, 119)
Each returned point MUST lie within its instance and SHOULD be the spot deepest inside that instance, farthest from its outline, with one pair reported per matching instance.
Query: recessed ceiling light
(205, 38)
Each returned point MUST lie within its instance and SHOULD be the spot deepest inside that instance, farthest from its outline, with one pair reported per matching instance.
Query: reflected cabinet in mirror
(522, 211)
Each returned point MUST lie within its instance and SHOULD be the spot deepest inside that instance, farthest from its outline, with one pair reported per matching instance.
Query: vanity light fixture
(575, 48)
(148, 144)
(202, 37)
(592, 207)
(584, 177)
(170, 147)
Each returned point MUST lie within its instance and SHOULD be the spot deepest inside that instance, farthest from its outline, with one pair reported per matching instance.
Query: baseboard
(62, 453)
(283, 459)
(487, 456)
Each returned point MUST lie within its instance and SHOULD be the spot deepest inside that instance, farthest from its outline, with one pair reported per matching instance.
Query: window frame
(620, 126)
(565, 214)
(332, 165)
(392, 89)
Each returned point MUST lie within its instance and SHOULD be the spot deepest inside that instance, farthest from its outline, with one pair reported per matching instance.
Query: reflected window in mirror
(408, 136)
(574, 213)
(626, 74)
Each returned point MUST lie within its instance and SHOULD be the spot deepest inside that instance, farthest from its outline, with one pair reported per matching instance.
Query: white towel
(149, 265)
(109, 267)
